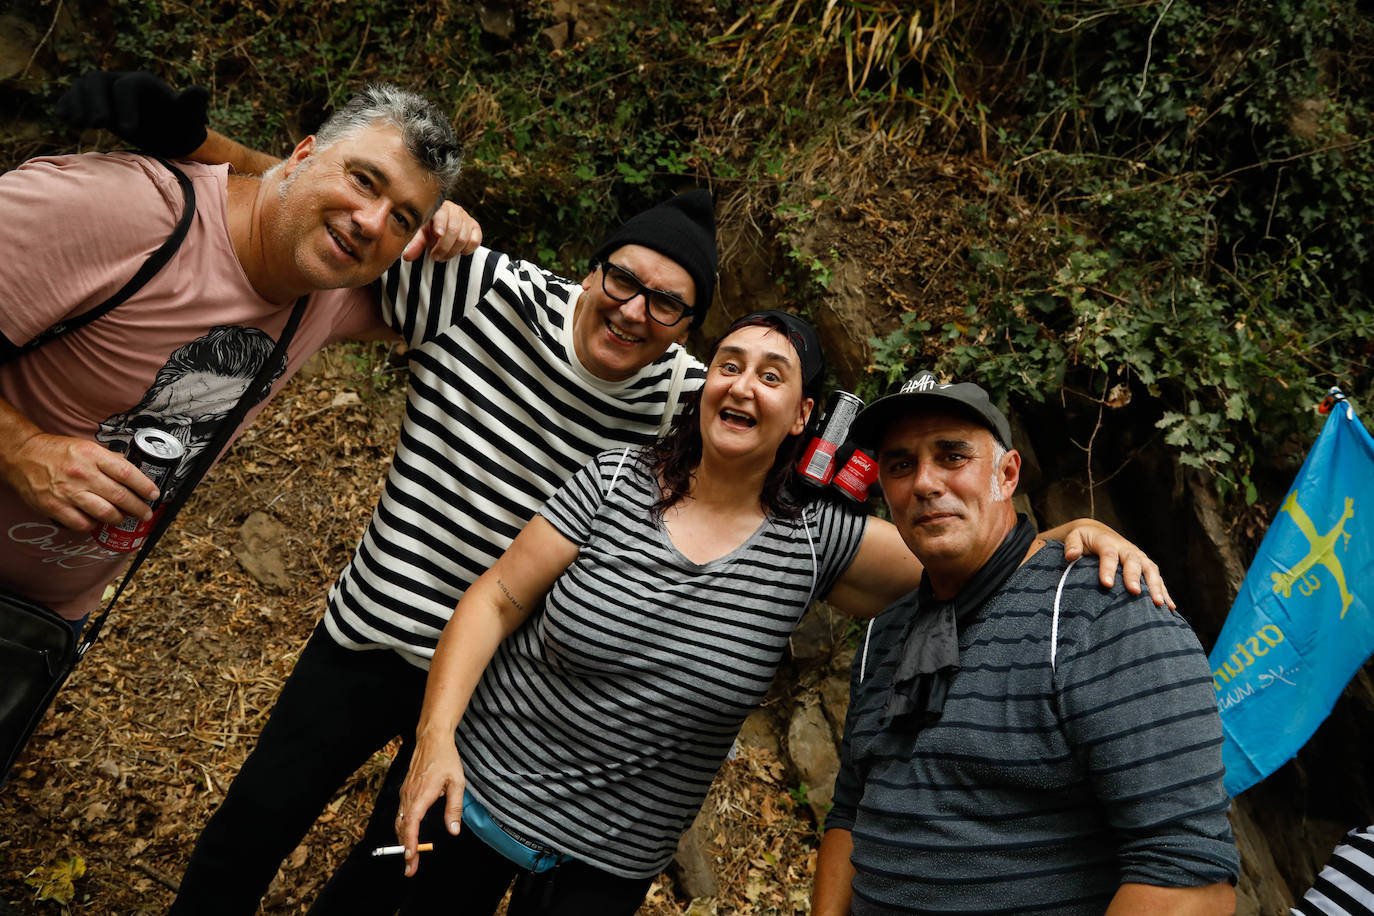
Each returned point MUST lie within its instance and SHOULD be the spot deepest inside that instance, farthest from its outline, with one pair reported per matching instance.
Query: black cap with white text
(924, 390)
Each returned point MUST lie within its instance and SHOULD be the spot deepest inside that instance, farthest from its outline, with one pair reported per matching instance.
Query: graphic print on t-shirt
(193, 392)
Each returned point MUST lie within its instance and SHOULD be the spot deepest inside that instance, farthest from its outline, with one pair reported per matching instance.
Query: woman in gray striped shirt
(648, 606)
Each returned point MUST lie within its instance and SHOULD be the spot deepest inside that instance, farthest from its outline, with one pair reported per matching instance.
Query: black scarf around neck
(930, 655)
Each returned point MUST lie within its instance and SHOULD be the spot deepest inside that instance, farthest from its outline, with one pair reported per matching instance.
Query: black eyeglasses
(622, 286)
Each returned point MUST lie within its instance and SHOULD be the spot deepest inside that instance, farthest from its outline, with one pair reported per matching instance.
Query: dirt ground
(104, 807)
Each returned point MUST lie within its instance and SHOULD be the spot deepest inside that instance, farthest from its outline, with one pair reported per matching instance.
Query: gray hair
(999, 451)
(427, 133)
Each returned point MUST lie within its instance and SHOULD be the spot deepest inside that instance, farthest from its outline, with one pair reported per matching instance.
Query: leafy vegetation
(1196, 178)
(560, 143)
(1167, 202)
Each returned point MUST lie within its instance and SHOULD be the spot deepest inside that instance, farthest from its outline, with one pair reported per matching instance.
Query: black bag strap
(156, 261)
(255, 392)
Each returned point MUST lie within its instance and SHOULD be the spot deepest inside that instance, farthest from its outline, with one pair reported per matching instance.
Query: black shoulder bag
(38, 648)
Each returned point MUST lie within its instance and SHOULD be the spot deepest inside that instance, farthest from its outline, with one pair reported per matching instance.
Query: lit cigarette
(400, 850)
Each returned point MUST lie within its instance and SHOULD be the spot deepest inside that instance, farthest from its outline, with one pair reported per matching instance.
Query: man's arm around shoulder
(1147, 900)
(218, 148)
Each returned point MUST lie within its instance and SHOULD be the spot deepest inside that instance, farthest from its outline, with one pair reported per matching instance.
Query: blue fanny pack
(477, 819)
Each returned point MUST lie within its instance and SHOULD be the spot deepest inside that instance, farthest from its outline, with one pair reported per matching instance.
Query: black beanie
(683, 229)
(803, 337)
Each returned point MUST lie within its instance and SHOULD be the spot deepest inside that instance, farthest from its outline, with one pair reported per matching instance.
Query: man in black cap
(1017, 735)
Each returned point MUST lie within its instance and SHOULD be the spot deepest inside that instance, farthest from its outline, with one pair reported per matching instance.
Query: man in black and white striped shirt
(1004, 754)
(518, 378)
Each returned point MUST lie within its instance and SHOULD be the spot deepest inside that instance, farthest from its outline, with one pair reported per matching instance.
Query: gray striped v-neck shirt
(599, 725)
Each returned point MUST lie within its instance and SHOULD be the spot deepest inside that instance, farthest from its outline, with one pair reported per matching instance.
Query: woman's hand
(1112, 550)
(435, 770)
(489, 612)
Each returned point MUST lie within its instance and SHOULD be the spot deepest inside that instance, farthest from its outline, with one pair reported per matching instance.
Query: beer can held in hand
(157, 455)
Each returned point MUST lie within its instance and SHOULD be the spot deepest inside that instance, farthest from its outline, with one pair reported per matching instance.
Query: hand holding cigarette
(435, 770)
(400, 850)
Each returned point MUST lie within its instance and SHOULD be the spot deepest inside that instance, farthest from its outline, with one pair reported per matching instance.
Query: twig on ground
(165, 880)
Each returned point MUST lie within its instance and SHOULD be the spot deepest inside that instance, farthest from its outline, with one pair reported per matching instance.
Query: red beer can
(157, 455)
(858, 474)
(817, 464)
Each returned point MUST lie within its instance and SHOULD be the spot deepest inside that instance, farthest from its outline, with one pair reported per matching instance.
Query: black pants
(337, 709)
(472, 882)
(464, 876)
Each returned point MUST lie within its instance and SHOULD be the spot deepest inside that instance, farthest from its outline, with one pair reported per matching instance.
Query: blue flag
(1303, 623)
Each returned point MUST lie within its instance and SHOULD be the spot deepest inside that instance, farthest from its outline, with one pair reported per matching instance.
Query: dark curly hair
(674, 458)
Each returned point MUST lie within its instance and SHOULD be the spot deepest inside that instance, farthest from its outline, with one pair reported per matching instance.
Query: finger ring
(401, 816)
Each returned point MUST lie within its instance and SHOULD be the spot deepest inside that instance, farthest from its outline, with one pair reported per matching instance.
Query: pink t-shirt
(176, 355)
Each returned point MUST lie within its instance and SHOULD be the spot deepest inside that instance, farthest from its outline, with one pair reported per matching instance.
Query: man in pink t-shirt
(178, 354)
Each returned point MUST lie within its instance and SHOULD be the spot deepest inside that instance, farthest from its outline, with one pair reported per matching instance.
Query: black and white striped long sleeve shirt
(499, 413)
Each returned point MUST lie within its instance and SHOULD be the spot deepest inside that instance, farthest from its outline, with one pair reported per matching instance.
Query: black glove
(140, 108)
